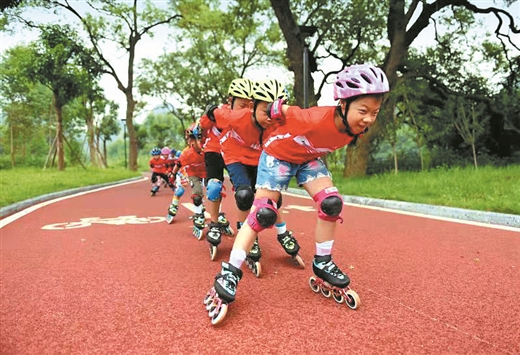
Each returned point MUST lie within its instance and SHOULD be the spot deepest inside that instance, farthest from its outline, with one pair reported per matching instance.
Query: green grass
(485, 189)
(24, 183)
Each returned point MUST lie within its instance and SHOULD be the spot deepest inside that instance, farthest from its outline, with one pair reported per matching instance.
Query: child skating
(243, 133)
(158, 165)
(294, 150)
(192, 159)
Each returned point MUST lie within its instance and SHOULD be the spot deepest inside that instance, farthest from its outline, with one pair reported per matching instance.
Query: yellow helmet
(269, 90)
(241, 88)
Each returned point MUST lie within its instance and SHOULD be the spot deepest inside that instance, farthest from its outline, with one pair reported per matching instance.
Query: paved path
(82, 276)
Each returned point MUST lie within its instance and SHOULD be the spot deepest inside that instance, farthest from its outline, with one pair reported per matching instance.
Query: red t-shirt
(158, 165)
(241, 140)
(193, 162)
(211, 134)
(307, 134)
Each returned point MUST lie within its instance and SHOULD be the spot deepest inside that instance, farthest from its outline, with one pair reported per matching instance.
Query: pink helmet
(165, 151)
(360, 79)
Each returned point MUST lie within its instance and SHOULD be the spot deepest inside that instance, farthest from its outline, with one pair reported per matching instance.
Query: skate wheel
(229, 232)
(325, 292)
(338, 296)
(299, 260)
(257, 269)
(211, 306)
(314, 285)
(212, 252)
(352, 299)
(209, 296)
(219, 316)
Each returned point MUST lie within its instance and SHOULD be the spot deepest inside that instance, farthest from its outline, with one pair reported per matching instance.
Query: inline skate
(154, 190)
(213, 236)
(199, 223)
(291, 246)
(253, 258)
(172, 212)
(331, 281)
(222, 293)
(224, 225)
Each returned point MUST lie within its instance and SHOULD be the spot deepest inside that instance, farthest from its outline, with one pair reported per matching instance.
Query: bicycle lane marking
(88, 221)
(414, 214)
(7, 220)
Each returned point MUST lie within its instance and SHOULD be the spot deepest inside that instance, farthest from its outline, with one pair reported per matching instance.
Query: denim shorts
(274, 174)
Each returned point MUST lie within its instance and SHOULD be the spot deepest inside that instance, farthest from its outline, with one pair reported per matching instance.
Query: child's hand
(274, 111)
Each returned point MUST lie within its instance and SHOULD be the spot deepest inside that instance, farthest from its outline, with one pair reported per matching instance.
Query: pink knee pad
(264, 216)
(330, 204)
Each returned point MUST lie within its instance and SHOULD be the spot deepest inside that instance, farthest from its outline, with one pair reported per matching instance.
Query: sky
(152, 48)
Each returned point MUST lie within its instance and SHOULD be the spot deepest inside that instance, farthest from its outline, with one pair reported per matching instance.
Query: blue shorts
(274, 174)
(242, 175)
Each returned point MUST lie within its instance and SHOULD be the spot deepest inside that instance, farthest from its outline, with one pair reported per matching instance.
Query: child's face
(156, 157)
(261, 115)
(363, 112)
(241, 103)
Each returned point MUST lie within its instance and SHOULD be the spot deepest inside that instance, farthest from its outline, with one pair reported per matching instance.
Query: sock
(281, 228)
(237, 257)
(198, 209)
(324, 248)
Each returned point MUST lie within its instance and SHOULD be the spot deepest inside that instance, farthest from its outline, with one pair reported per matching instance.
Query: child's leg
(329, 205)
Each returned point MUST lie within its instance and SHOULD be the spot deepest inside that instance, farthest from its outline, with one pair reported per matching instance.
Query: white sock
(281, 228)
(324, 248)
(237, 257)
(198, 209)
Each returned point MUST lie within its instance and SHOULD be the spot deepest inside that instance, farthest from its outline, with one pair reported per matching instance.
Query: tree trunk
(59, 132)
(295, 45)
(474, 155)
(89, 120)
(11, 135)
(133, 145)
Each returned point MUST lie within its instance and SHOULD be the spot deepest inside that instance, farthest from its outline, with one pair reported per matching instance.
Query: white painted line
(30, 209)
(422, 215)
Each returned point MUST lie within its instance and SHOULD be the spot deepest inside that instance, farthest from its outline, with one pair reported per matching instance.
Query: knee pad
(264, 216)
(197, 200)
(154, 179)
(213, 189)
(330, 204)
(244, 197)
(179, 191)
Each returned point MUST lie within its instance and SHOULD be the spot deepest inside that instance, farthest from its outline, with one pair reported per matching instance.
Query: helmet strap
(257, 124)
(348, 129)
(233, 101)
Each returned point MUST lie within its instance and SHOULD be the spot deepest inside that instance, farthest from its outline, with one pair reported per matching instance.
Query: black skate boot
(255, 253)
(224, 225)
(199, 223)
(324, 268)
(223, 292)
(172, 212)
(154, 190)
(253, 259)
(213, 236)
(331, 281)
(227, 281)
(291, 246)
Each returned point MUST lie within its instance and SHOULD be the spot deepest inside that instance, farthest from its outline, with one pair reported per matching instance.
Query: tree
(56, 63)
(194, 74)
(403, 24)
(121, 24)
(9, 4)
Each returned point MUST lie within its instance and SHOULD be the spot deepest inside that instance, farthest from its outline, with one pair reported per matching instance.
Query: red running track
(426, 286)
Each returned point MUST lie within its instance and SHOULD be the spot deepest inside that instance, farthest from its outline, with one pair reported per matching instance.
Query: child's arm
(277, 111)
